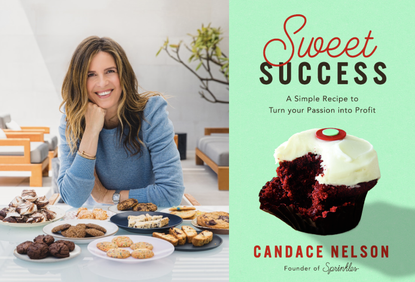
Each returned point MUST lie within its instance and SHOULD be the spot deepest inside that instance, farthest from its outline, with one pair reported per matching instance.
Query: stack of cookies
(45, 245)
(185, 212)
(80, 230)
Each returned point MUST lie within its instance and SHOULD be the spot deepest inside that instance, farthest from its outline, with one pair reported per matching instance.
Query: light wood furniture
(45, 130)
(221, 171)
(23, 163)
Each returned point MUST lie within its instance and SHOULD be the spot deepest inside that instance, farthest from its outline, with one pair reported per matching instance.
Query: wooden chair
(23, 162)
(45, 130)
(221, 171)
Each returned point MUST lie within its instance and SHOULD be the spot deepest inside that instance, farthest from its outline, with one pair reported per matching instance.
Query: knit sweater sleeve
(76, 174)
(158, 136)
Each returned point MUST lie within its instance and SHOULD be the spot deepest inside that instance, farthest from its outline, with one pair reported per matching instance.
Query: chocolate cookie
(59, 250)
(127, 204)
(81, 225)
(38, 251)
(47, 239)
(74, 232)
(145, 207)
(61, 227)
(22, 248)
(69, 244)
(218, 220)
(94, 232)
(96, 226)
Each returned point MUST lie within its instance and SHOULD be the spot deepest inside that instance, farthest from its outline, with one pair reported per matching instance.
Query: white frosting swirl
(345, 162)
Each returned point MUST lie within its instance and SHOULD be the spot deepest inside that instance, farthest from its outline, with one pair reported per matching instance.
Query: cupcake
(322, 181)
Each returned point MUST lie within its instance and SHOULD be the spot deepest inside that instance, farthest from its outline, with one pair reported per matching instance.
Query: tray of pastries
(29, 210)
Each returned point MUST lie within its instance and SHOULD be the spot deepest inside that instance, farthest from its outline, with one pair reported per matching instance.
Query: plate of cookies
(130, 249)
(217, 222)
(44, 248)
(84, 213)
(146, 222)
(187, 239)
(81, 231)
(132, 205)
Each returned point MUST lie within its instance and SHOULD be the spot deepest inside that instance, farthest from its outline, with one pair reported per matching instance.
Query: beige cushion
(38, 151)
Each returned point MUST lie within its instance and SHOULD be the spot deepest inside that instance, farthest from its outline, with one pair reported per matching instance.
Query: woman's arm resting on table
(158, 136)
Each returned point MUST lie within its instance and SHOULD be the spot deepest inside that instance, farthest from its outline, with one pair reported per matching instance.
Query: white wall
(38, 38)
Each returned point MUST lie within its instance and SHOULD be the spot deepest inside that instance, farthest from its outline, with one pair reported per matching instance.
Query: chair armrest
(16, 159)
(210, 130)
(44, 129)
(32, 136)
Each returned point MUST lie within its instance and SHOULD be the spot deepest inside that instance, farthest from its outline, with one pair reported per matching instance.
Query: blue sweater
(154, 175)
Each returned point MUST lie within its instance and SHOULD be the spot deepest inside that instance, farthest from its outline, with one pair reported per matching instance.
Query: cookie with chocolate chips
(217, 220)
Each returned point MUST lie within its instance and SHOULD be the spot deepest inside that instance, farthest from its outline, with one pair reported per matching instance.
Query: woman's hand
(100, 194)
(94, 118)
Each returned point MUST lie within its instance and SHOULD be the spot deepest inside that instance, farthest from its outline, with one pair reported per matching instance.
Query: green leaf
(161, 48)
(200, 64)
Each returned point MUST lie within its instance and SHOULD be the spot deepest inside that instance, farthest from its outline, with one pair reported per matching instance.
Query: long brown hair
(75, 95)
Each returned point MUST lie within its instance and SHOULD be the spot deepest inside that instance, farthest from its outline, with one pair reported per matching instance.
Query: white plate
(166, 210)
(114, 209)
(59, 214)
(72, 215)
(72, 254)
(109, 226)
(161, 248)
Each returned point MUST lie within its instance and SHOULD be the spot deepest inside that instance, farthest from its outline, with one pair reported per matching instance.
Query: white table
(211, 265)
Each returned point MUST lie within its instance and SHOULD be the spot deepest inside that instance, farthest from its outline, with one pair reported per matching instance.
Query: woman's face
(103, 84)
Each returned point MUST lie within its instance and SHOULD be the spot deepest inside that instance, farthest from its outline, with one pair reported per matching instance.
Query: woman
(115, 143)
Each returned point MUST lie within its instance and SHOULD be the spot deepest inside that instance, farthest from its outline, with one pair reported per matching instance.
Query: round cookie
(59, 250)
(74, 232)
(218, 220)
(22, 248)
(141, 245)
(47, 239)
(127, 204)
(122, 241)
(145, 207)
(184, 214)
(94, 232)
(96, 226)
(142, 254)
(38, 251)
(61, 227)
(81, 225)
(118, 253)
(106, 246)
(69, 244)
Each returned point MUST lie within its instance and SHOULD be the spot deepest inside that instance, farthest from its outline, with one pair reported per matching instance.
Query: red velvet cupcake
(322, 181)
